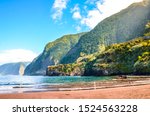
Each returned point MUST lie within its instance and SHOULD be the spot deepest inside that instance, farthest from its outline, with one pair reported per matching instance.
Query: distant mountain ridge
(121, 27)
(52, 54)
(13, 68)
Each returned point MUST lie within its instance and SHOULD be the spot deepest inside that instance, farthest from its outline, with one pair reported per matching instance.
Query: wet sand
(126, 92)
(130, 88)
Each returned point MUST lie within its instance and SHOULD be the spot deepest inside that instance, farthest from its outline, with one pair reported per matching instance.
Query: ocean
(21, 84)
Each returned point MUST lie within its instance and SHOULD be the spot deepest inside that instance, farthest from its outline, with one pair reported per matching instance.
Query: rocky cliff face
(66, 70)
(52, 54)
(121, 27)
(13, 68)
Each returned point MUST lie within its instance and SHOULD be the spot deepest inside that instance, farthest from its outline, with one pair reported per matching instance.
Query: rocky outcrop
(66, 70)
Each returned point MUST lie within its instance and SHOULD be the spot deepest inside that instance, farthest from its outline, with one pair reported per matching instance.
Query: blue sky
(26, 26)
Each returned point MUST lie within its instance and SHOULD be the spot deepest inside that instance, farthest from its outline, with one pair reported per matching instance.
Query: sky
(26, 26)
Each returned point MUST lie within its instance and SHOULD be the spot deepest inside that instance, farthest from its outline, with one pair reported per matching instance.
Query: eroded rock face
(77, 72)
(65, 70)
(53, 73)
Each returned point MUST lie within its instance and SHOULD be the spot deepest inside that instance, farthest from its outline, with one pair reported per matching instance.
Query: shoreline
(130, 92)
(97, 84)
(131, 88)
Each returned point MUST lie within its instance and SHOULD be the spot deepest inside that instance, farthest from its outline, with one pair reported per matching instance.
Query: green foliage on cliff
(100, 51)
(125, 58)
(66, 69)
(132, 57)
(52, 54)
(121, 27)
(142, 65)
(58, 48)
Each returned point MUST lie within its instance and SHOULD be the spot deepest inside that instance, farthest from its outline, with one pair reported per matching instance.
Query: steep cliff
(132, 57)
(52, 54)
(121, 27)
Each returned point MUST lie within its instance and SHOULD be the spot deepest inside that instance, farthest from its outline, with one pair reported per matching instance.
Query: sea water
(20, 84)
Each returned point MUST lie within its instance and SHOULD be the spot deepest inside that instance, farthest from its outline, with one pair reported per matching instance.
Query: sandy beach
(130, 88)
(131, 92)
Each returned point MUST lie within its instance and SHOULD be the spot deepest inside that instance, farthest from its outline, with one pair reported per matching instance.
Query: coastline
(130, 92)
(130, 88)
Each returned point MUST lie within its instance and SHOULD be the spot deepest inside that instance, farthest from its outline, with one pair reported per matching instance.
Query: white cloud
(76, 12)
(92, 19)
(16, 55)
(58, 7)
(76, 15)
(103, 10)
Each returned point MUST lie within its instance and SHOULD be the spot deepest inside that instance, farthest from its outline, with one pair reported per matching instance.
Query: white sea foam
(19, 84)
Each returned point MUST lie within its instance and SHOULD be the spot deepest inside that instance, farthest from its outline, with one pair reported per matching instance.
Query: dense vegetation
(132, 57)
(73, 69)
(142, 65)
(52, 54)
(124, 58)
(121, 27)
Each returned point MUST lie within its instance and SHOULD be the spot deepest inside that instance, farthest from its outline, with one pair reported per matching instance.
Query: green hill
(52, 54)
(81, 49)
(121, 27)
(132, 57)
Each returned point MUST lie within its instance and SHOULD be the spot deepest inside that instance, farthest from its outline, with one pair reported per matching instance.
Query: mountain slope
(121, 27)
(13, 68)
(52, 54)
(132, 57)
